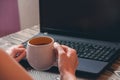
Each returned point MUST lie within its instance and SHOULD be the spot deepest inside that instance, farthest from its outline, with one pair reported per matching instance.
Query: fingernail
(56, 44)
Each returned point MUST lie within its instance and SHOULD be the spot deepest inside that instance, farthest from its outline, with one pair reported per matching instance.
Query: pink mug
(40, 52)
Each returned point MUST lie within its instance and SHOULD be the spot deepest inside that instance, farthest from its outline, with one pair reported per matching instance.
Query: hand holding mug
(67, 61)
(17, 52)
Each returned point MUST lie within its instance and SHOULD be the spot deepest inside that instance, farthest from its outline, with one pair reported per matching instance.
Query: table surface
(23, 35)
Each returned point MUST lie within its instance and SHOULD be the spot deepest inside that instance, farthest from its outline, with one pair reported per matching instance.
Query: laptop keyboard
(91, 51)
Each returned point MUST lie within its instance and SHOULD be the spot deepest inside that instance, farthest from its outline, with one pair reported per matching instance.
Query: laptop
(92, 27)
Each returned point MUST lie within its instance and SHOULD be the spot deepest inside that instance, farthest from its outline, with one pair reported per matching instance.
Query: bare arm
(10, 69)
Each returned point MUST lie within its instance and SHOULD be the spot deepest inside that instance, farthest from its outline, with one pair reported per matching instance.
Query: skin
(17, 52)
(66, 57)
(11, 70)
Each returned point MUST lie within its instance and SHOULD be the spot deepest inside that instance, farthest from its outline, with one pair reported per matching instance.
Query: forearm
(10, 69)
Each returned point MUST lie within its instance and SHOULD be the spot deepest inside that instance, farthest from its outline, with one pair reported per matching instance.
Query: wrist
(67, 76)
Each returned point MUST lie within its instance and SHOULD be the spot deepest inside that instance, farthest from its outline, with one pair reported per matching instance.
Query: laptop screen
(95, 19)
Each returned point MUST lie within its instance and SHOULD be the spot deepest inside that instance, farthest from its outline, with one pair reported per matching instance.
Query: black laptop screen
(98, 19)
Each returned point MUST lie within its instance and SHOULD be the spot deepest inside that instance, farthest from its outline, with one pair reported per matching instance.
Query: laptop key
(90, 51)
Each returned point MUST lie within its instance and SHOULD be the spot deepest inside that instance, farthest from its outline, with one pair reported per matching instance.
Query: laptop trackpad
(91, 66)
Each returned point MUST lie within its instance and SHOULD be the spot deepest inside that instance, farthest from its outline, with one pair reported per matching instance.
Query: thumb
(56, 44)
(59, 48)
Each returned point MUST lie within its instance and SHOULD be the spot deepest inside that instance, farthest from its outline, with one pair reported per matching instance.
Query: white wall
(29, 13)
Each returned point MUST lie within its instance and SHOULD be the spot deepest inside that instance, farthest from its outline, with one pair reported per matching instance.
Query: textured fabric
(41, 75)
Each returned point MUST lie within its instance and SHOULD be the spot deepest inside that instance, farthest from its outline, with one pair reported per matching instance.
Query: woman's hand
(17, 52)
(67, 61)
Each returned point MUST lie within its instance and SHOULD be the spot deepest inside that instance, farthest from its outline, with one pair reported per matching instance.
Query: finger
(21, 56)
(65, 48)
(16, 51)
(68, 48)
(20, 46)
(19, 50)
(70, 51)
(59, 48)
